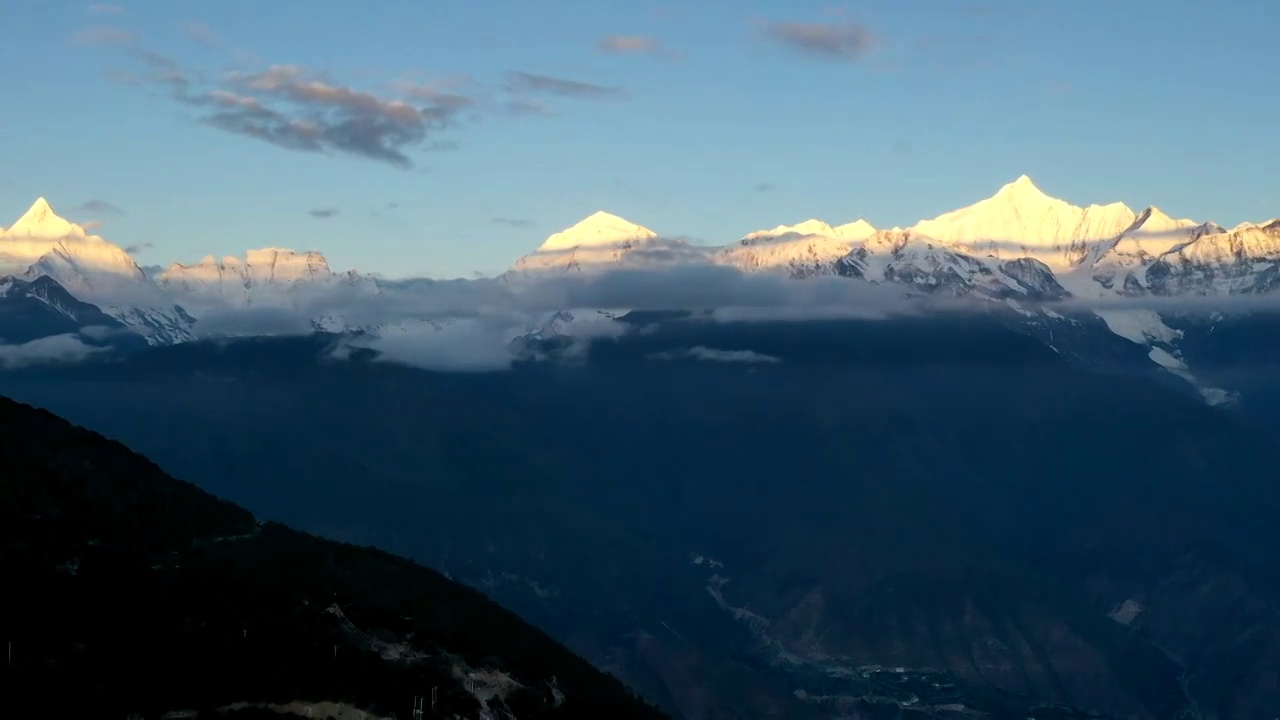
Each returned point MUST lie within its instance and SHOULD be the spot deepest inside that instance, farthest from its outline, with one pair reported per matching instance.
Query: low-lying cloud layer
(52, 349)
(470, 324)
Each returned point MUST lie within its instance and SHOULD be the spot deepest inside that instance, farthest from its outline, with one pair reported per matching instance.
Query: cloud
(91, 224)
(200, 33)
(468, 345)
(766, 187)
(518, 81)
(837, 41)
(105, 9)
(52, 349)
(442, 93)
(1173, 305)
(306, 110)
(623, 44)
(245, 322)
(139, 248)
(699, 352)
(99, 207)
(470, 324)
(527, 106)
(301, 109)
(323, 213)
(688, 286)
(105, 36)
(513, 222)
(293, 108)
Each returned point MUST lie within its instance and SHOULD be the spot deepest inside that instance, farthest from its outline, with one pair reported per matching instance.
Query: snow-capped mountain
(902, 256)
(1022, 221)
(40, 308)
(1243, 260)
(803, 250)
(41, 237)
(267, 277)
(602, 241)
(1020, 247)
(43, 244)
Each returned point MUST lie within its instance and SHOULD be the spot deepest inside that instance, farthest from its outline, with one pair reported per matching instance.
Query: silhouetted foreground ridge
(127, 591)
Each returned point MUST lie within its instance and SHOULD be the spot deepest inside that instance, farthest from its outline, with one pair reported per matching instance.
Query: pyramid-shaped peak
(601, 218)
(40, 208)
(1023, 187)
(598, 228)
(1154, 220)
(41, 221)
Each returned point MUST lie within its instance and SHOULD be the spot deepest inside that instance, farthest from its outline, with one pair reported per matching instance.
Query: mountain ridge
(1018, 245)
(130, 573)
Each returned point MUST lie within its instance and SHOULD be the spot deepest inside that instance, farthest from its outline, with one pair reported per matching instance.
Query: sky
(444, 139)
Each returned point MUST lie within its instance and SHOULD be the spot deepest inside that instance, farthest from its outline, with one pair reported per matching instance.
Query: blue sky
(710, 119)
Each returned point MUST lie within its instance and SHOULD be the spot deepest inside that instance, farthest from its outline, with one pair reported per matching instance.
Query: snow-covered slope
(1021, 221)
(904, 257)
(602, 241)
(267, 277)
(809, 248)
(42, 244)
(1119, 266)
(1243, 260)
(77, 260)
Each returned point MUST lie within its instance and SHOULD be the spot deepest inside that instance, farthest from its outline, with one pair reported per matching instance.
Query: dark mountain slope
(940, 494)
(135, 592)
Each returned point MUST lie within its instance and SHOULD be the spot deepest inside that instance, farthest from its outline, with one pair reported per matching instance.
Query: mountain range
(1046, 491)
(1040, 255)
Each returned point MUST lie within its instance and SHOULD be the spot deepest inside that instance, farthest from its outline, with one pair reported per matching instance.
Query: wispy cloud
(442, 93)
(306, 110)
(519, 81)
(766, 187)
(518, 106)
(99, 207)
(323, 213)
(200, 33)
(139, 248)
(623, 44)
(513, 222)
(700, 352)
(105, 9)
(105, 36)
(51, 349)
(300, 109)
(836, 41)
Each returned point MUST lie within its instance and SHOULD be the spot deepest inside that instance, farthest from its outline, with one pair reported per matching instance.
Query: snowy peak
(856, 230)
(42, 243)
(1024, 191)
(257, 279)
(40, 221)
(1153, 221)
(808, 227)
(599, 228)
(1020, 220)
(803, 250)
